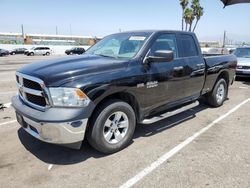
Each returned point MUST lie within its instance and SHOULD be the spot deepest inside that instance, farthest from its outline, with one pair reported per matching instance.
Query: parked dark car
(18, 51)
(77, 50)
(4, 52)
(125, 79)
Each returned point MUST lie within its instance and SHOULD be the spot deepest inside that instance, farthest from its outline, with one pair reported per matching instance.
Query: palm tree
(189, 18)
(184, 4)
(198, 12)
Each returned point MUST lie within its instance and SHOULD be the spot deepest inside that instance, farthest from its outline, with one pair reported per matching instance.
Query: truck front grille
(38, 100)
(31, 84)
(32, 90)
(245, 67)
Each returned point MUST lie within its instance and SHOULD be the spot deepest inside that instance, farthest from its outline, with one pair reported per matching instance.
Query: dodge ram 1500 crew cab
(125, 79)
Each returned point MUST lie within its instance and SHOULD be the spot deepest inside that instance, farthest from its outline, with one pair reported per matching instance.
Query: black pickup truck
(125, 79)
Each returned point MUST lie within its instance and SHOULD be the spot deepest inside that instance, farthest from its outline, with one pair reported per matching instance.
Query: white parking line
(8, 92)
(50, 167)
(176, 149)
(8, 122)
(7, 105)
(241, 87)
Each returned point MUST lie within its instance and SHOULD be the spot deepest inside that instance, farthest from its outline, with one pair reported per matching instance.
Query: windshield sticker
(140, 38)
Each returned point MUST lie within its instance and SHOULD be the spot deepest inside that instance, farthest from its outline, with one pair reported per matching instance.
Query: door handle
(201, 65)
(178, 68)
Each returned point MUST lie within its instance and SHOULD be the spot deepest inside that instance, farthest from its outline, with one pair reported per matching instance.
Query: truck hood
(243, 61)
(57, 72)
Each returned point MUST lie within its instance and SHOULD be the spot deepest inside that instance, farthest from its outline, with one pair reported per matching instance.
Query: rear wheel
(31, 54)
(47, 53)
(112, 127)
(219, 93)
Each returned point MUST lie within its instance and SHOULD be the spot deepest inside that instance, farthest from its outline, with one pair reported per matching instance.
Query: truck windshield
(122, 45)
(242, 52)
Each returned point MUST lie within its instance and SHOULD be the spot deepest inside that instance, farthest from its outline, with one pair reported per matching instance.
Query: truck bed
(215, 64)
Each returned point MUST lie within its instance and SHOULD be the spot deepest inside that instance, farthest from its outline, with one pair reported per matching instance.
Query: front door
(164, 80)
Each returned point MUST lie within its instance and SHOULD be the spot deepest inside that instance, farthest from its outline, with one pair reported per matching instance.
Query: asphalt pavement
(202, 147)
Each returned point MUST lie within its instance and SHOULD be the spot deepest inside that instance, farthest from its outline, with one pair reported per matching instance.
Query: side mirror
(161, 56)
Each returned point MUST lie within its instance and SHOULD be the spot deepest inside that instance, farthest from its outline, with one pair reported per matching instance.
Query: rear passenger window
(187, 46)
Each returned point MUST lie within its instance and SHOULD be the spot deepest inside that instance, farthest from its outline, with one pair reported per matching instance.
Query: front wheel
(112, 127)
(219, 93)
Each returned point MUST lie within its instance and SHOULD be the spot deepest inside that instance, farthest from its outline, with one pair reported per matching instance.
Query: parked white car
(38, 51)
(215, 51)
(243, 65)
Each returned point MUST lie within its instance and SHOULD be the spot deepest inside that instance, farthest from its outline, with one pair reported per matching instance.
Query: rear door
(190, 53)
(47, 49)
(43, 50)
(78, 51)
(38, 50)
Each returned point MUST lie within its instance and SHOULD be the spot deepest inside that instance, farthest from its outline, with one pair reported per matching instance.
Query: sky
(100, 18)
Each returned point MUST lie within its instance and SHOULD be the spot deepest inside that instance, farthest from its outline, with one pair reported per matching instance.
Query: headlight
(68, 97)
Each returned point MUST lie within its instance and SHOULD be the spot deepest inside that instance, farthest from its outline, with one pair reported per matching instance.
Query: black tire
(47, 53)
(96, 131)
(216, 98)
(31, 54)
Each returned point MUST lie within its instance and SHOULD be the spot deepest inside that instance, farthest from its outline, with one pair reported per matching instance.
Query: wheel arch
(123, 96)
(223, 74)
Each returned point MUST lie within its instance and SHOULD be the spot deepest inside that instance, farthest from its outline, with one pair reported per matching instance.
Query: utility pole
(23, 33)
(224, 38)
(22, 30)
(70, 30)
(56, 31)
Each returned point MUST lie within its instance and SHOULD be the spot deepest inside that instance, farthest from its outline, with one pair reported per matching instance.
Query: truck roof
(158, 31)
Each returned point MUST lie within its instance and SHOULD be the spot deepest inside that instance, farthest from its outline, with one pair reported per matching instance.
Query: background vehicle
(4, 52)
(38, 51)
(125, 79)
(75, 51)
(18, 51)
(232, 50)
(216, 51)
(243, 66)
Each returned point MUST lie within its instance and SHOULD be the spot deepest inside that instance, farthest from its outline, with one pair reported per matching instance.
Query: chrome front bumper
(63, 126)
(56, 133)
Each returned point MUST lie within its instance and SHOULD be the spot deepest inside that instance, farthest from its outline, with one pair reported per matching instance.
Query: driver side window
(164, 42)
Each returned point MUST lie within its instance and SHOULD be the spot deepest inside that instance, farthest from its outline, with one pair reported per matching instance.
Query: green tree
(189, 18)
(189, 14)
(198, 12)
(184, 4)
